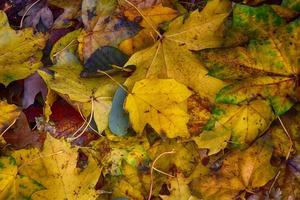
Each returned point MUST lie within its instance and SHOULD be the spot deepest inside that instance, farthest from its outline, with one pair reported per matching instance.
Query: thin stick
(69, 44)
(85, 121)
(162, 172)
(147, 21)
(86, 127)
(8, 127)
(152, 168)
(109, 76)
(274, 181)
(23, 17)
(288, 135)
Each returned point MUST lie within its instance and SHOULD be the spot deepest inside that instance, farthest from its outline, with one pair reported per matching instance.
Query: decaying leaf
(242, 170)
(158, 102)
(55, 168)
(244, 123)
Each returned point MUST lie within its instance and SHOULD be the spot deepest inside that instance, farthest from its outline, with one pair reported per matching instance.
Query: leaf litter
(149, 99)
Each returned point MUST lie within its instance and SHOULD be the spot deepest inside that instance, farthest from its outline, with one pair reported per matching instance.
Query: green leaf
(256, 21)
(293, 4)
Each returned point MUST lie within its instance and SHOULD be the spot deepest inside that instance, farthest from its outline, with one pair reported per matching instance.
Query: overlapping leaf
(241, 170)
(21, 52)
(55, 168)
(171, 57)
(13, 185)
(273, 54)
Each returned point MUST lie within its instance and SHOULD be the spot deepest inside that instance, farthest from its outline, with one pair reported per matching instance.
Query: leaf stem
(23, 17)
(288, 135)
(153, 168)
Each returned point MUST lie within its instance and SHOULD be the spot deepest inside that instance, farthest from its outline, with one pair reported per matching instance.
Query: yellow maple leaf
(21, 52)
(157, 102)
(14, 186)
(170, 57)
(55, 168)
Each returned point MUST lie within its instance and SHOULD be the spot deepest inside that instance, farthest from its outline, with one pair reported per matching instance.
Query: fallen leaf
(153, 17)
(37, 15)
(157, 102)
(215, 140)
(33, 85)
(9, 114)
(71, 11)
(245, 122)
(20, 134)
(118, 117)
(67, 72)
(55, 168)
(272, 53)
(20, 52)
(170, 56)
(179, 189)
(103, 27)
(13, 185)
(242, 170)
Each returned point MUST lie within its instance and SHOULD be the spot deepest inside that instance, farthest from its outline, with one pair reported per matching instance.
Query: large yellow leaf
(55, 168)
(20, 52)
(14, 186)
(157, 102)
(8, 114)
(170, 56)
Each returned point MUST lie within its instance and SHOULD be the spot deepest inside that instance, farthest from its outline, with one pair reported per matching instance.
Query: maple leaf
(170, 57)
(20, 52)
(242, 170)
(13, 185)
(157, 102)
(268, 63)
(242, 123)
(9, 113)
(55, 168)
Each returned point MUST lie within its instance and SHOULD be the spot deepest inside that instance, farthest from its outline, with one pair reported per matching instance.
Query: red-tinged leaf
(20, 135)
